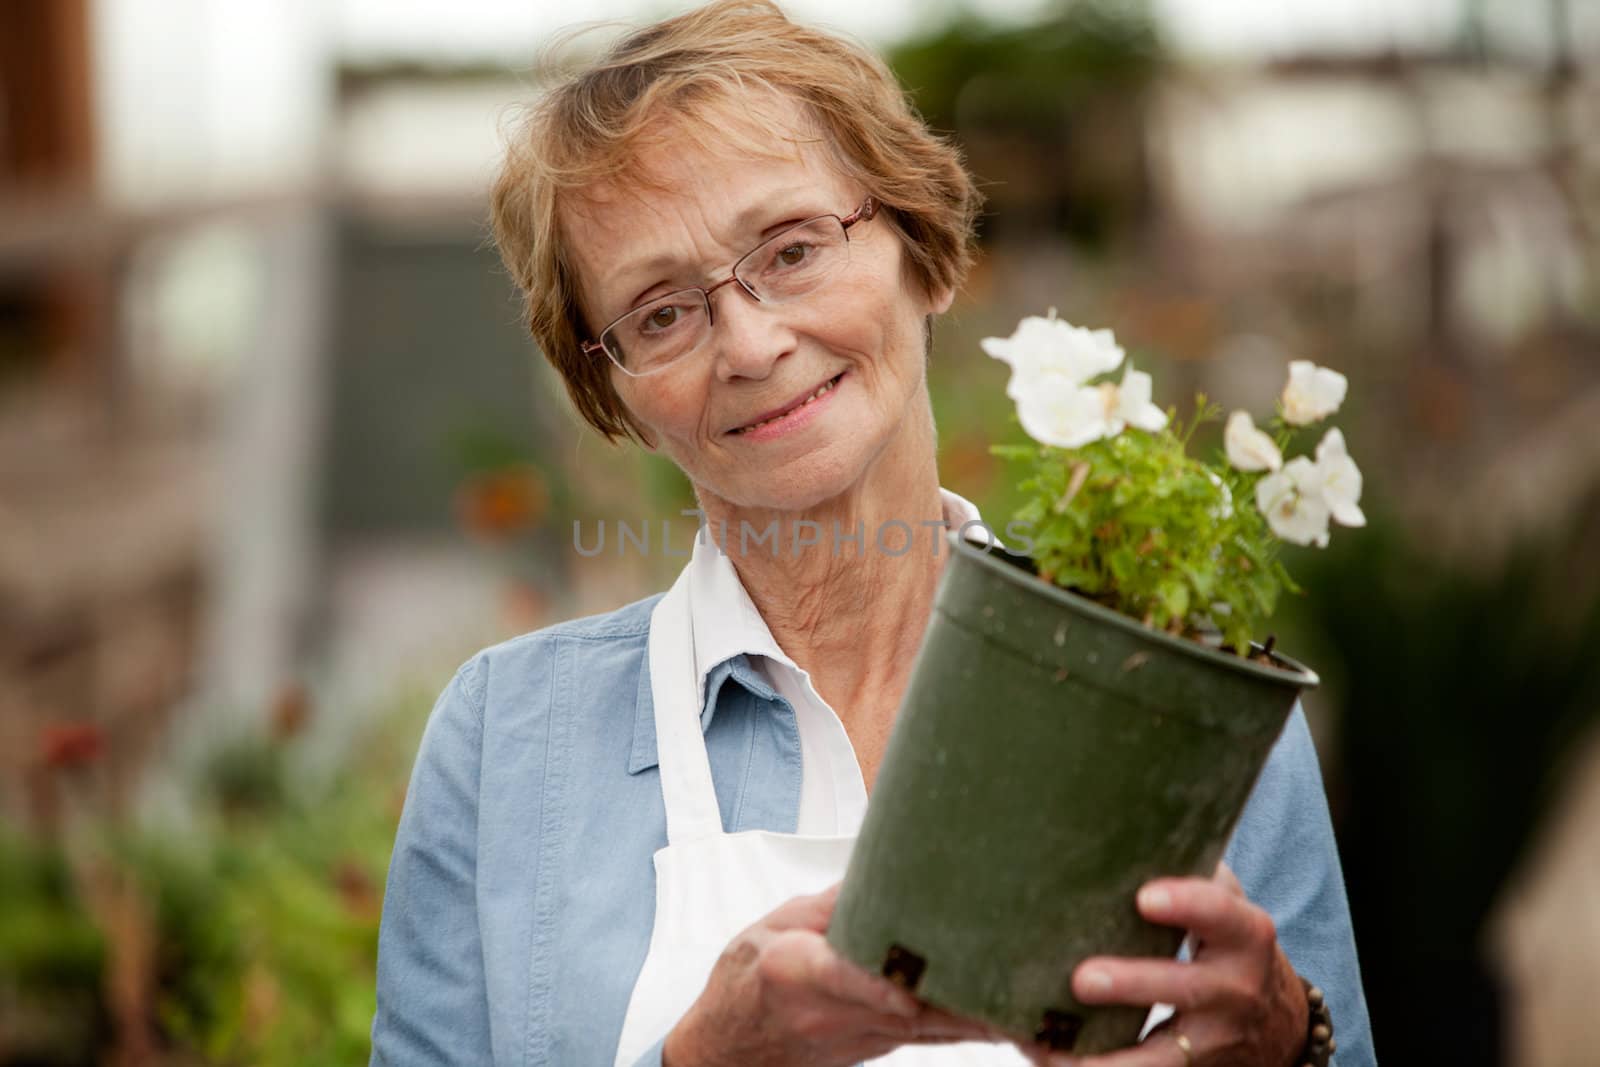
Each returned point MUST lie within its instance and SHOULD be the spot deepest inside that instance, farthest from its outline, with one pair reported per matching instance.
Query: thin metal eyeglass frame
(868, 208)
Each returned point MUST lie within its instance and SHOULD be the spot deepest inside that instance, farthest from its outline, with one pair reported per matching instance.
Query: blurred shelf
(44, 228)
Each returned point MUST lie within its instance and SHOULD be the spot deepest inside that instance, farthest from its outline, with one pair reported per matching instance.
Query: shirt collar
(726, 621)
(644, 754)
(728, 630)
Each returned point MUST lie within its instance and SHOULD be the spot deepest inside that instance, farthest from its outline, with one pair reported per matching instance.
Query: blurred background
(276, 455)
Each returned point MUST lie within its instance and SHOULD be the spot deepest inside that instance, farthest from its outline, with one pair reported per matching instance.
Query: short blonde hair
(700, 65)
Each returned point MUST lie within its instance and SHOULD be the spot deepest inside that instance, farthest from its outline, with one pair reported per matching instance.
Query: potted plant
(1088, 709)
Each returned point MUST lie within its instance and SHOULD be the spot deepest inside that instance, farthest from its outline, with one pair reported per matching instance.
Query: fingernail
(1096, 982)
(1155, 899)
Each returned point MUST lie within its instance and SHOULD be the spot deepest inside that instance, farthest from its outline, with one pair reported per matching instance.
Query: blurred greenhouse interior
(276, 454)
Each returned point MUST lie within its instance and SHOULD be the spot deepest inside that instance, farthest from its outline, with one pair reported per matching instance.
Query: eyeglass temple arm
(868, 208)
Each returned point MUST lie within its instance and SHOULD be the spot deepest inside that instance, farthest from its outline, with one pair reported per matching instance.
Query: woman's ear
(941, 299)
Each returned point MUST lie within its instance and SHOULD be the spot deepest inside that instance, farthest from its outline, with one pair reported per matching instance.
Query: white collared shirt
(833, 794)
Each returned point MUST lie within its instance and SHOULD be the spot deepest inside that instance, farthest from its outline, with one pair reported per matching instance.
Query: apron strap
(685, 769)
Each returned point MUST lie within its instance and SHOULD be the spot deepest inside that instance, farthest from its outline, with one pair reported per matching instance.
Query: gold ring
(1185, 1048)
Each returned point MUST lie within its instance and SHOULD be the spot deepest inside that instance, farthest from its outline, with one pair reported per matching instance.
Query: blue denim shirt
(521, 890)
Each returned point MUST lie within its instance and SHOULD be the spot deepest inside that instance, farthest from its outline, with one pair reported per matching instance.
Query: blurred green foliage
(51, 958)
(1032, 76)
(1049, 113)
(255, 937)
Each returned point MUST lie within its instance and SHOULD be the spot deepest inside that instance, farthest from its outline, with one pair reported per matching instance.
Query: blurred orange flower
(74, 744)
(290, 710)
(499, 504)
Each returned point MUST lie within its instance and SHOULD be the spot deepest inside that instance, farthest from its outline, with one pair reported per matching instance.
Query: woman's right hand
(781, 995)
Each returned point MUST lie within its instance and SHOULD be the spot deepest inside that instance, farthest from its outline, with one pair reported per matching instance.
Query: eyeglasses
(658, 333)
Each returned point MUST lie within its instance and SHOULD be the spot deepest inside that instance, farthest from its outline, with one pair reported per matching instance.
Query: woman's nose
(747, 336)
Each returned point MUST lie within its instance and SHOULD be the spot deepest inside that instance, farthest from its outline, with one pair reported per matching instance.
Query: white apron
(710, 885)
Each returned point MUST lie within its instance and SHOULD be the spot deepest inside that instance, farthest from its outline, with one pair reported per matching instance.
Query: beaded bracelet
(1320, 1044)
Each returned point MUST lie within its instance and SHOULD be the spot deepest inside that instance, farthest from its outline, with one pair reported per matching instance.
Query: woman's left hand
(1239, 1001)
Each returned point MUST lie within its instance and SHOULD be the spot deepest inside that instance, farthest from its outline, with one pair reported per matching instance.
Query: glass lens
(653, 335)
(797, 260)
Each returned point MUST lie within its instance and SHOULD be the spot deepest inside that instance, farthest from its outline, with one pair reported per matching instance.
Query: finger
(938, 1020)
(930, 1027)
(803, 958)
(1159, 1050)
(1143, 982)
(810, 912)
(1227, 878)
(840, 1018)
(1211, 911)
(947, 1033)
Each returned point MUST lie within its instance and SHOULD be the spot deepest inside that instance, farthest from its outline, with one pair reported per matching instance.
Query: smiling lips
(795, 405)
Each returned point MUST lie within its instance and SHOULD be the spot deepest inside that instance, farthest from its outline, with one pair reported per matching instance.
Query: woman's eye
(792, 255)
(661, 317)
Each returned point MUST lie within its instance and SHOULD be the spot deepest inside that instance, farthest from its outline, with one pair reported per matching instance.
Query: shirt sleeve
(1284, 854)
(432, 998)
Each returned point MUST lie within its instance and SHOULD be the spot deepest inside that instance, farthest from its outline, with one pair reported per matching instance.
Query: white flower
(1339, 480)
(1313, 393)
(1044, 349)
(1054, 411)
(1129, 404)
(1291, 499)
(1248, 448)
(1051, 364)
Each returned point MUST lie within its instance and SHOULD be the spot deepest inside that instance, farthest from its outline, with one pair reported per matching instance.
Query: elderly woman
(623, 832)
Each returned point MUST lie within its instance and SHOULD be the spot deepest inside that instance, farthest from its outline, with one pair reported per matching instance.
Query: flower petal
(1339, 480)
(1053, 346)
(1293, 507)
(1248, 448)
(1064, 415)
(1346, 512)
(1133, 402)
(1312, 393)
(1332, 445)
(1094, 351)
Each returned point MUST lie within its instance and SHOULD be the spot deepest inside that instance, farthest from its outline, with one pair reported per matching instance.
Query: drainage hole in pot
(1059, 1030)
(903, 967)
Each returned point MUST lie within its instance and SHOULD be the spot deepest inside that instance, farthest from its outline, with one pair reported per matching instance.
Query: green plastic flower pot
(1050, 757)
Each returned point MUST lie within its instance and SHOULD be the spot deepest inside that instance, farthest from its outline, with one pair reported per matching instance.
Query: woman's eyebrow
(766, 208)
(654, 266)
